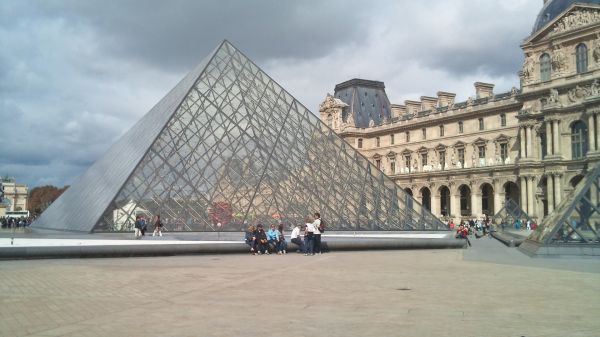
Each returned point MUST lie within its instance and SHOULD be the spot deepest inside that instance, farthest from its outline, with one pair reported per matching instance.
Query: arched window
(481, 127)
(581, 58)
(545, 67)
(578, 140)
(441, 131)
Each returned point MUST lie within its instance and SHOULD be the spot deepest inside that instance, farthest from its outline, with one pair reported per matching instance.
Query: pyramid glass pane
(576, 221)
(236, 148)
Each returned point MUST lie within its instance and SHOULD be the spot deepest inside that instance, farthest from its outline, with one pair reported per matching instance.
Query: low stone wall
(125, 250)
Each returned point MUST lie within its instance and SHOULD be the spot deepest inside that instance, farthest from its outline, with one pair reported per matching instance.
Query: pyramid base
(536, 249)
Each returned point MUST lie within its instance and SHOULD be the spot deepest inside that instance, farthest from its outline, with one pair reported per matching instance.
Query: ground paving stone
(387, 293)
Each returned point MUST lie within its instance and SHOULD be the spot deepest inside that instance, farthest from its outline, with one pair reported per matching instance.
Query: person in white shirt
(296, 238)
(309, 237)
(317, 234)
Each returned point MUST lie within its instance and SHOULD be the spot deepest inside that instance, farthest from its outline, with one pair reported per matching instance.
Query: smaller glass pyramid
(574, 223)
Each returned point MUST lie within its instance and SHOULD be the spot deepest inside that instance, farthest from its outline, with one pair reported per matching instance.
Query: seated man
(463, 233)
(273, 238)
(296, 238)
(262, 245)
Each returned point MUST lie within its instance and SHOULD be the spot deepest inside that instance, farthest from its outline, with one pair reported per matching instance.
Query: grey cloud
(75, 75)
(176, 34)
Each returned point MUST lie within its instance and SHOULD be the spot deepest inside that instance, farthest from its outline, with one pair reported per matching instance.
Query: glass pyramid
(228, 147)
(506, 217)
(576, 220)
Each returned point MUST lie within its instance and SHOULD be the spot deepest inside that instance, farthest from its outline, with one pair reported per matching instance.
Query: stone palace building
(532, 144)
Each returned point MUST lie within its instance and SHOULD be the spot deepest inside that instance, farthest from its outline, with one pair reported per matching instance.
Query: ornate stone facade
(15, 196)
(531, 144)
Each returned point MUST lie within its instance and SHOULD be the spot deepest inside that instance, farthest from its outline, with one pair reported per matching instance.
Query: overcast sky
(75, 75)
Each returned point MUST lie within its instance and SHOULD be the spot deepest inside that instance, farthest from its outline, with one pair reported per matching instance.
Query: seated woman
(251, 238)
(262, 243)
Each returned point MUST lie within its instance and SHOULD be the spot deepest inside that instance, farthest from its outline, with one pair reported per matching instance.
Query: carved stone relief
(579, 93)
(576, 19)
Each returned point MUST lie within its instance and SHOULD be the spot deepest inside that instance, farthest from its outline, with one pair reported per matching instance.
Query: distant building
(15, 196)
(464, 159)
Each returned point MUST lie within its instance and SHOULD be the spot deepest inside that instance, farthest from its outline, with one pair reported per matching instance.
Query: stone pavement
(469, 292)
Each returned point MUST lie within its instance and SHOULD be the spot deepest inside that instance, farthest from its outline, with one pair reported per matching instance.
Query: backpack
(322, 226)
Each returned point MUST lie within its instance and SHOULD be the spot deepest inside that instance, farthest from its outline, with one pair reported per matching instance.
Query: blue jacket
(273, 234)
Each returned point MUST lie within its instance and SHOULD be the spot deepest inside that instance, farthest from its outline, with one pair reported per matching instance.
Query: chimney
(412, 106)
(428, 103)
(483, 90)
(445, 98)
(398, 110)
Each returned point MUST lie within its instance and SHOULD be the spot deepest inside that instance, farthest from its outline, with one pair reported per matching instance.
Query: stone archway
(465, 200)
(445, 206)
(575, 180)
(487, 199)
(511, 191)
(426, 198)
(408, 191)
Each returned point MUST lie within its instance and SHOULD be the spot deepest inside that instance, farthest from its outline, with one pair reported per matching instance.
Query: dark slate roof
(553, 8)
(366, 101)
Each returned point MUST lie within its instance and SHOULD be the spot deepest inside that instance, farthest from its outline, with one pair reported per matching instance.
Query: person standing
(309, 237)
(157, 226)
(317, 233)
(144, 225)
(296, 238)
(282, 242)
(138, 227)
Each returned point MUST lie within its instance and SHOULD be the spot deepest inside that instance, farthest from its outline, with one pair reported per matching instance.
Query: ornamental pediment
(502, 138)
(577, 16)
(331, 102)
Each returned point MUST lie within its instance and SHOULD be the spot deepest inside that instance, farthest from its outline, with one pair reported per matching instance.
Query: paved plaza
(487, 290)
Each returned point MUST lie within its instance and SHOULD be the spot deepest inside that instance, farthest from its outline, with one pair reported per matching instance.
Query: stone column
(549, 147)
(557, 189)
(476, 202)
(591, 133)
(529, 133)
(523, 191)
(455, 204)
(556, 137)
(498, 197)
(435, 204)
(530, 196)
(597, 129)
(522, 141)
(550, 192)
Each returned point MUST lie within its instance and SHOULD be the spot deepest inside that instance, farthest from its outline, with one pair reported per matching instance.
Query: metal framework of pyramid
(506, 217)
(574, 226)
(228, 147)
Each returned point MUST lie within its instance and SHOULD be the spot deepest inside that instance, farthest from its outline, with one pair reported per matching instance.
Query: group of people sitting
(273, 240)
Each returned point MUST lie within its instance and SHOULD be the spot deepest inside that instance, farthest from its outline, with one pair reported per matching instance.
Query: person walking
(157, 226)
